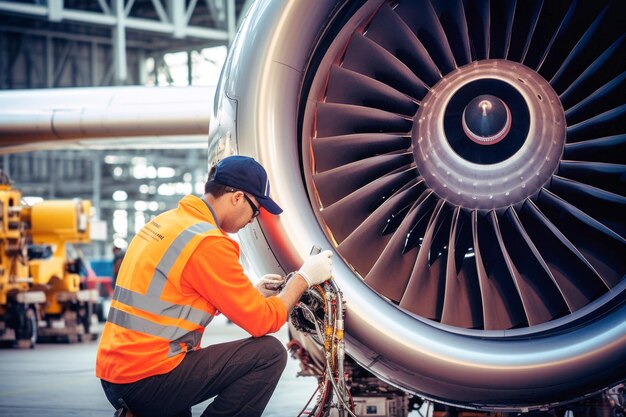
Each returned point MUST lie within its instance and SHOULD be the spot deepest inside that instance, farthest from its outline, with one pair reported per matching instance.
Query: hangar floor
(55, 380)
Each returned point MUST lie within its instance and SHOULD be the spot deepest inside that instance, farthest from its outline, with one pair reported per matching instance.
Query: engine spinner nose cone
(488, 135)
(486, 120)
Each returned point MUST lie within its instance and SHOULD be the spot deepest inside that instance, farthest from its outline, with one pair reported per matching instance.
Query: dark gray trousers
(241, 375)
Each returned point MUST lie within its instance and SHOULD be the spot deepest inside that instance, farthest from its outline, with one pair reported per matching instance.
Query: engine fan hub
(489, 134)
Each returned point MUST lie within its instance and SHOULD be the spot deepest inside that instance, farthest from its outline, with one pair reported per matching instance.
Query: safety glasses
(255, 209)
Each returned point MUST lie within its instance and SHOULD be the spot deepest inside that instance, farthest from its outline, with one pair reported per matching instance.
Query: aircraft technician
(181, 270)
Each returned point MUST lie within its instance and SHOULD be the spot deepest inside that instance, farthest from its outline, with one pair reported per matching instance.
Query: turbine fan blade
(347, 214)
(403, 44)
(349, 87)
(606, 207)
(603, 99)
(335, 151)
(462, 300)
(415, 235)
(502, 308)
(391, 272)
(452, 17)
(603, 248)
(535, 310)
(502, 13)
(364, 246)
(610, 150)
(421, 18)
(424, 293)
(577, 280)
(604, 68)
(344, 119)
(366, 57)
(334, 184)
(609, 123)
(608, 177)
(533, 269)
(572, 60)
(478, 22)
(524, 23)
(552, 16)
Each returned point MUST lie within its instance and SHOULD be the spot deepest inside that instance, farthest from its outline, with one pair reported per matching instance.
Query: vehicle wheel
(26, 332)
(84, 316)
(100, 311)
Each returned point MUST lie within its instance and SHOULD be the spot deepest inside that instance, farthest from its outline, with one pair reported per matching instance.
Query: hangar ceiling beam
(119, 43)
(109, 18)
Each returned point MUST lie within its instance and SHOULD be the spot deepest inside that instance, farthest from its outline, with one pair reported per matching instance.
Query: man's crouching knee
(273, 352)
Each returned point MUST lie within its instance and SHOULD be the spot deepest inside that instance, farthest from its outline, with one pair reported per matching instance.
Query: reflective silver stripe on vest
(162, 308)
(191, 339)
(171, 255)
(132, 322)
(151, 301)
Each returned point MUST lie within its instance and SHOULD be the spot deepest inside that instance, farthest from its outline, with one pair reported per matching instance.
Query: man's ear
(234, 198)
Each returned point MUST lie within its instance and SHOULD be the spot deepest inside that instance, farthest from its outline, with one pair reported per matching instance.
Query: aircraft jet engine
(466, 162)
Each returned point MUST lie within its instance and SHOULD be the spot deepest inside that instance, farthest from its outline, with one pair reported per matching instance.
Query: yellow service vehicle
(40, 285)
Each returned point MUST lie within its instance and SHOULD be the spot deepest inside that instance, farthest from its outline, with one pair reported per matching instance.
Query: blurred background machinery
(42, 282)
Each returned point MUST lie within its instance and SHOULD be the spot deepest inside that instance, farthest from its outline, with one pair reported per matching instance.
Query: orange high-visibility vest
(152, 323)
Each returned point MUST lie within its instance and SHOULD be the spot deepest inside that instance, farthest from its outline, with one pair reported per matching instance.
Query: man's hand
(269, 284)
(317, 268)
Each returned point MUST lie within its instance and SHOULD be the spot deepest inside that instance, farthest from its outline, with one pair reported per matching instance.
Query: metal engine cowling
(466, 161)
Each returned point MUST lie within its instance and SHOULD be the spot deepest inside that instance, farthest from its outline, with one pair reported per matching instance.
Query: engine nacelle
(465, 162)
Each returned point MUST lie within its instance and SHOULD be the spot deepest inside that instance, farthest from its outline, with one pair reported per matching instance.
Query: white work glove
(317, 268)
(269, 284)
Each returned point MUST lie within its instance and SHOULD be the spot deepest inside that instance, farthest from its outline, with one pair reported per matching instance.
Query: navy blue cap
(246, 174)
